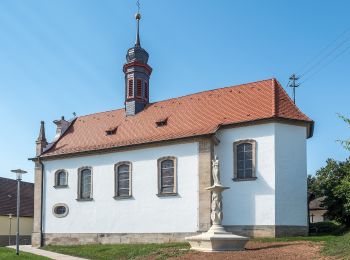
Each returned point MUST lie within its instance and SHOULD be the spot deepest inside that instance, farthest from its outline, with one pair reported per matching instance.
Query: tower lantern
(137, 74)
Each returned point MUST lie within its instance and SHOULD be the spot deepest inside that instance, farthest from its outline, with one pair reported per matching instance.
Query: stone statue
(216, 208)
(216, 171)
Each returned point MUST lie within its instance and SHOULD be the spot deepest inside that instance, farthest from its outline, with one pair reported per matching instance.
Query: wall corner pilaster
(37, 223)
(206, 151)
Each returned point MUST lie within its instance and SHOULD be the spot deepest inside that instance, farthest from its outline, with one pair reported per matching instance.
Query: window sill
(60, 186)
(88, 199)
(167, 194)
(245, 179)
(122, 197)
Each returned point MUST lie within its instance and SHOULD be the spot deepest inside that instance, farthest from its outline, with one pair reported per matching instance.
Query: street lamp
(10, 218)
(19, 173)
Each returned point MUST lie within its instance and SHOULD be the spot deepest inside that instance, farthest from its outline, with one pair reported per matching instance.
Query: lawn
(334, 245)
(123, 251)
(10, 254)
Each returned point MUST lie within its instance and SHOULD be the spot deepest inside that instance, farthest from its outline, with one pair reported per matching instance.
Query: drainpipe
(41, 202)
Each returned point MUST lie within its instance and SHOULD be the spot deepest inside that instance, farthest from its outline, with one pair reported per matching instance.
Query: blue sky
(60, 57)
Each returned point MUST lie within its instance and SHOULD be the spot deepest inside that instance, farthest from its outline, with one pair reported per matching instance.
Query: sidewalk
(49, 254)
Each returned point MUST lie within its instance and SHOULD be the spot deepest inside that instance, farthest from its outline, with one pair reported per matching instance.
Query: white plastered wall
(291, 175)
(249, 202)
(144, 212)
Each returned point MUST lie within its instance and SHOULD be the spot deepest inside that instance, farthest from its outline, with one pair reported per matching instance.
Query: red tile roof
(193, 115)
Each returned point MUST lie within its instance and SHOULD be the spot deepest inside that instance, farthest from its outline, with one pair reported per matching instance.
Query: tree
(345, 143)
(333, 182)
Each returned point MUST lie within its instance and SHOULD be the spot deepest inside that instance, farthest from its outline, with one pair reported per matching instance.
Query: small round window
(60, 210)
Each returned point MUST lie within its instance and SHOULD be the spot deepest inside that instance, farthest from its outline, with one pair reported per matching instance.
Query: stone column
(205, 149)
(216, 200)
(37, 235)
(41, 143)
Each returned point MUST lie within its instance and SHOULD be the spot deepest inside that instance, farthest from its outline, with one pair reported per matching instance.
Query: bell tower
(137, 74)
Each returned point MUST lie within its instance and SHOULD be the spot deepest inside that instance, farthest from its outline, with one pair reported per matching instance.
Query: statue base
(217, 239)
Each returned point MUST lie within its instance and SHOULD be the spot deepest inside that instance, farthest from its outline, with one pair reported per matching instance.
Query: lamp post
(19, 173)
(10, 218)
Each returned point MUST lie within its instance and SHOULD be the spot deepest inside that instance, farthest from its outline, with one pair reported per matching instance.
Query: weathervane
(138, 18)
(138, 6)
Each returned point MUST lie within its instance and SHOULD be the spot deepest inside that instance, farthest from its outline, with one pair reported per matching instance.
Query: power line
(322, 59)
(316, 64)
(325, 65)
(324, 49)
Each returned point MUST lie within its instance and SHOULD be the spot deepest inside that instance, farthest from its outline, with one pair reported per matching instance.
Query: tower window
(146, 90)
(139, 88)
(130, 87)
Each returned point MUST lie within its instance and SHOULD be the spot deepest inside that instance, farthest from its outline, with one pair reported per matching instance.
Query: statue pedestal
(216, 238)
(215, 242)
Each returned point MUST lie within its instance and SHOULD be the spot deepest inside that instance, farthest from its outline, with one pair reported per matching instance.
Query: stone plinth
(215, 242)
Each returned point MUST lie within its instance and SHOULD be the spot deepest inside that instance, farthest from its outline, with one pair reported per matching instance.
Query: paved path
(49, 254)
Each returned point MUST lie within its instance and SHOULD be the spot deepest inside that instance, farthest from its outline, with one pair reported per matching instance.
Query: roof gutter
(308, 124)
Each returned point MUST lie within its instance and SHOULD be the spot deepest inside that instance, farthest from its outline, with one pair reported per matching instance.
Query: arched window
(122, 173)
(167, 176)
(61, 179)
(244, 160)
(85, 183)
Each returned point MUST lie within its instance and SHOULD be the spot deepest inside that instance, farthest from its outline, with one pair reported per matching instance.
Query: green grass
(334, 245)
(321, 238)
(338, 246)
(122, 251)
(10, 254)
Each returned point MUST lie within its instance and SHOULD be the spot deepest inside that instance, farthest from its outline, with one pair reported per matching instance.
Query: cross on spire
(138, 18)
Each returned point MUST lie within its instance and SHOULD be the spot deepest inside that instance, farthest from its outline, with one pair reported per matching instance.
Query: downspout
(41, 202)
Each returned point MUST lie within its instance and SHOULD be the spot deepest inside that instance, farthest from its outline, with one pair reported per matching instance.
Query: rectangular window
(130, 87)
(139, 88)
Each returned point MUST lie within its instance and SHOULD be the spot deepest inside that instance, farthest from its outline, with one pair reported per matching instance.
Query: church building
(138, 174)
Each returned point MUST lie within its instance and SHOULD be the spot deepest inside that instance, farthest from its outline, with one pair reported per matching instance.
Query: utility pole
(293, 78)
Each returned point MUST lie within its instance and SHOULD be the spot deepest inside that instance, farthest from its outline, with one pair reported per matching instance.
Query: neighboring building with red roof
(138, 174)
(8, 211)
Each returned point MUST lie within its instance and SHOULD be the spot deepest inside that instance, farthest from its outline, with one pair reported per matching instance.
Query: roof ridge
(187, 95)
(289, 99)
(274, 97)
